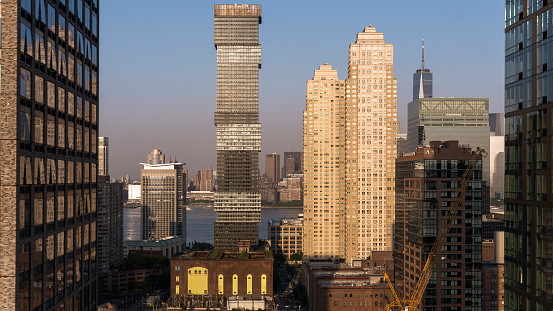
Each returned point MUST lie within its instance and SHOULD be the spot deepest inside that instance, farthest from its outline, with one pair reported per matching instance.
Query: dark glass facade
(426, 184)
(238, 199)
(48, 163)
(528, 162)
(426, 86)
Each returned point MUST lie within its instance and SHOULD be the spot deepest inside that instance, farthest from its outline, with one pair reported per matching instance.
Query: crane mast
(418, 292)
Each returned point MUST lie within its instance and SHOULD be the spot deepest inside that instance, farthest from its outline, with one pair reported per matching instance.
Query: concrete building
(237, 200)
(373, 94)
(286, 236)
(168, 247)
(163, 199)
(206, 179)
(401, 144)
(528, 161)
(337, 287)
(103, 156)
(426, 184)
(49, 152)
(268, 189)
(493, 275)
(110, 225)
(423, 80)
(497, 154)
(211, 279)
(134, 191)
(272, 166)
(328, 144)
(200, 195)
(293, 163)
(291, 188)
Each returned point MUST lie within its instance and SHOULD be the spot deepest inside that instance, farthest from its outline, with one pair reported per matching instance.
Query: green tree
(296, 256)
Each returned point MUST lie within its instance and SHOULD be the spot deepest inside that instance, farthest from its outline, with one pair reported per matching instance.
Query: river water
(199, 222)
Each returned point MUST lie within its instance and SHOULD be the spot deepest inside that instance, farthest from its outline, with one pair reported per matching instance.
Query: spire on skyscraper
(422, 52)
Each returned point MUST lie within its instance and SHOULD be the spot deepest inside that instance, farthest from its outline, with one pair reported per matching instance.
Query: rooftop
(162, 242)
(225, 255)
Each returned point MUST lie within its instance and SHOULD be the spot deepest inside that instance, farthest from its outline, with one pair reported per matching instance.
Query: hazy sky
(158, 67)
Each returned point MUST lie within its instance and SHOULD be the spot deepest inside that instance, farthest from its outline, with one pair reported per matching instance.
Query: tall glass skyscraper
(422, 80)
(237, 200)
(49, 148)
(528, 162)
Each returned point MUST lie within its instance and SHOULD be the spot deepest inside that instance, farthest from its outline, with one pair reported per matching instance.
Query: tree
(296, 256)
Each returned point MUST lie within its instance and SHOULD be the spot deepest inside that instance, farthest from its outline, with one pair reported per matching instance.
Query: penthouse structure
(237, 200)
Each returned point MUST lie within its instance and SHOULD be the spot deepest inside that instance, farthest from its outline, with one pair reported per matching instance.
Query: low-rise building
(201, 195)
(333, 286)
(286, 235)
(167, 247)
(218, 279)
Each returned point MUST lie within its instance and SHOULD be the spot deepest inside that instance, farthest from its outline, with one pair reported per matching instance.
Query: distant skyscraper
(163, 199)
(206, 179)
(461, 119)
(103, 156)
(422, 80)
(294, 165)
(528, 160)
(272, 166)
(373, 91)
(110, 225)
(49, 151)
(497, 154)
(237, 200)
(426, 184)
(330, 226)
(401, 144)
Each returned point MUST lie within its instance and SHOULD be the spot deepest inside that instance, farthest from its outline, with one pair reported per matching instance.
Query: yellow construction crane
(416, 296)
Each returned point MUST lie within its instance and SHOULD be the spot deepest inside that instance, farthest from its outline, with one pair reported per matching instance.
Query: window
(40, 11)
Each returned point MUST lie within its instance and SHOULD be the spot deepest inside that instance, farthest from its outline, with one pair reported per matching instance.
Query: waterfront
(200, 219)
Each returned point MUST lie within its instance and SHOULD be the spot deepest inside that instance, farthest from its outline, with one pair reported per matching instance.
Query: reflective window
(40, 49)
(52, 18)
(71, 35)
(40, 11)
(25, 83)
(87, 16)
(26, 40)
(26, 5)
(39, 89)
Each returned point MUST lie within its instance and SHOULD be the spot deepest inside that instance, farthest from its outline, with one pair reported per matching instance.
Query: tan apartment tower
(272, 166)
(329, 141)
(371, 84)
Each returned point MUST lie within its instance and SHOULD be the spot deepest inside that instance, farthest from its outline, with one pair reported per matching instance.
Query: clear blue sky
(158, 66)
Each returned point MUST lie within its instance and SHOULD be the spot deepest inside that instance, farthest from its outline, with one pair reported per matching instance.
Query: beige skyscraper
(372, 86)
(329, 144)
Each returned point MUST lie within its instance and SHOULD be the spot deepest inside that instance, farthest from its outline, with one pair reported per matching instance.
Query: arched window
(221, 284)
(263, 284)
(235, 284)
(249, 284)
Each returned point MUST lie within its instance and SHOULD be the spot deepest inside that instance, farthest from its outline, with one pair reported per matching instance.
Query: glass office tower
(237, 200)
(528, 162)
(49, 154)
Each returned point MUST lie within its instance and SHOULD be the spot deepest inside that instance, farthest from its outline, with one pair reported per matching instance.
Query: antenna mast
(423, 52)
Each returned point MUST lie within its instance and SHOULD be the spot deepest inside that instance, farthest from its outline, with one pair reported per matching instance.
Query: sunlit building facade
(48, 167)
(238, 199)
(328, 143)
(103, 156)
(372, 92)
(528, 162)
